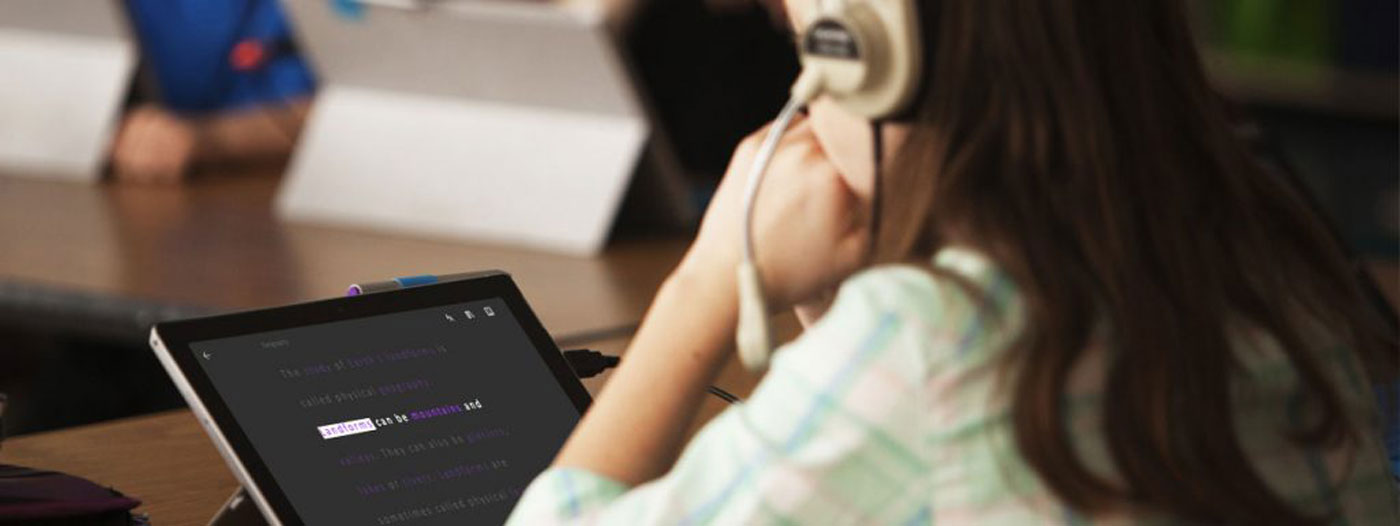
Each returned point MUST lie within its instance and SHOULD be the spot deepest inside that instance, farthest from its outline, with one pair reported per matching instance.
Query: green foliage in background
(1303, 30)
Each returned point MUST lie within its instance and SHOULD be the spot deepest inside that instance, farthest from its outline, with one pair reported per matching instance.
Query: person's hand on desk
(153, 146)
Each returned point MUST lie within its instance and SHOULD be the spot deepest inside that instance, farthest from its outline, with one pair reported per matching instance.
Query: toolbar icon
(449, 317)
(488, 311)
(469, 314)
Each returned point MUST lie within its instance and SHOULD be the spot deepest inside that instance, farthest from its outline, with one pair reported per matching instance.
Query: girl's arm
(811, 232)
(831, 435)
(634, 430)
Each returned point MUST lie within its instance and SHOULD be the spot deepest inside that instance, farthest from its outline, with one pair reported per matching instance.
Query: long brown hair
(1078, 144)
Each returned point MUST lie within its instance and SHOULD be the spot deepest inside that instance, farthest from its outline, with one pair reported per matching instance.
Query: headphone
(867, 56)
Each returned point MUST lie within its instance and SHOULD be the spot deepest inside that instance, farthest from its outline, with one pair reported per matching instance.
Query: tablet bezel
(171, 342)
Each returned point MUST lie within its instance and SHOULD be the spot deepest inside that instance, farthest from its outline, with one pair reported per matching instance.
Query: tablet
(422, 406)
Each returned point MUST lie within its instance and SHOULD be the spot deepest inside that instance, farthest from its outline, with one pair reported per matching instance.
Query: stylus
(403, 283)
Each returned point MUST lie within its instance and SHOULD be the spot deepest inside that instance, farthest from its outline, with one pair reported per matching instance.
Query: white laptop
(506, 121)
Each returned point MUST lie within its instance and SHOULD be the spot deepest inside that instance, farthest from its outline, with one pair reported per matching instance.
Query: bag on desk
(36, 497)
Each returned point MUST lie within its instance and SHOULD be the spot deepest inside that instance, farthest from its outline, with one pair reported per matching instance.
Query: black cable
(588, 363)
(594, 335)
(723, 395)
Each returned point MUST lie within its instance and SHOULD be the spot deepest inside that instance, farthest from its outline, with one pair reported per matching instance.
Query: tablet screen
(432, 416)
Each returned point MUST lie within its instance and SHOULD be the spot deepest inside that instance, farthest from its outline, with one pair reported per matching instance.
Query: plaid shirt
(888, 412)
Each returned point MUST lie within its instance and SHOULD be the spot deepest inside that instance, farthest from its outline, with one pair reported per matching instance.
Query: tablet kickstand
(238, 510)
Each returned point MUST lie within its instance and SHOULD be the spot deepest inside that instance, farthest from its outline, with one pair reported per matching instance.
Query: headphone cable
(759, 168)
(877, 145)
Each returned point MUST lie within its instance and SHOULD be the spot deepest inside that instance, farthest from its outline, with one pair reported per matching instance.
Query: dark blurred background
(1319, 76)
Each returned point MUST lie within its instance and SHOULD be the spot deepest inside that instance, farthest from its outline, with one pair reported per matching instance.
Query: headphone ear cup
(868, 54)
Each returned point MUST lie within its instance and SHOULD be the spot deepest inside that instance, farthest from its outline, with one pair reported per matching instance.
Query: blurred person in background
(225, 85)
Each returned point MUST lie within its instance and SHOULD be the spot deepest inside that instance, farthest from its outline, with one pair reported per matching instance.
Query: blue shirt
(187, 46)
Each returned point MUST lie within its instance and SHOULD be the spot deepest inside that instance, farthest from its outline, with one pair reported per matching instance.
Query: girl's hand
(810, 230)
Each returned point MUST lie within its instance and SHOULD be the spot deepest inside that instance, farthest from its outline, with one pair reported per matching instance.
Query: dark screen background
(465, 413)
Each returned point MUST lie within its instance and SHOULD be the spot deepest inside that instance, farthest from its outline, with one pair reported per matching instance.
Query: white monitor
(67, 66)
(505, 121)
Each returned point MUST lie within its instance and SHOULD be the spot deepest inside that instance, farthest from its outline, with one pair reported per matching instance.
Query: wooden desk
(165, 460)
(215, 242)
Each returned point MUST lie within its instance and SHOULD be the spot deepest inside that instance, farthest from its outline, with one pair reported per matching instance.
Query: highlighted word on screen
(346, 428)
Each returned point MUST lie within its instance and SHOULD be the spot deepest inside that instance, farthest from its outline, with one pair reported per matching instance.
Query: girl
(1083, 301)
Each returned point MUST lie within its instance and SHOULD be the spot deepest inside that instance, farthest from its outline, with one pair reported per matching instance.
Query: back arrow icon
(207, 355)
